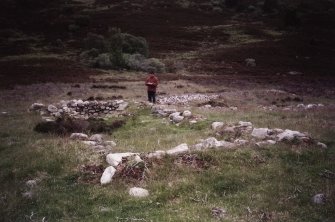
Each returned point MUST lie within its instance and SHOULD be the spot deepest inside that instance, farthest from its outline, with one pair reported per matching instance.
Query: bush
(139, 63)
(129, 44)
(95, 41)
(103, 61)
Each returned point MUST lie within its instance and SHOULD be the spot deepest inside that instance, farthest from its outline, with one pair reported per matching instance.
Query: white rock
(217, 125)
(110, 143)
(31, 184)
(260, 133)
(169, 111)
(240, 142)
(320, 105)
(319, 198)
(301, 106)
(180, 149)
(244, 124)
(208, 143)
(114, 159)
(37, 106)
(193, 122)
(178, 119)
(89, 143)
(290, 135)
(138, 192)
(122, 106)
(277, 130)
(78, 136)
(234, 108)
(266, 143)
(159, 154)
(97, 138)
(311, 106)
(52, 108)
(107, 175)
(208, 106)
(224, 144)
(322, 145)
(187, 113)
(250, 62)
(174, 114)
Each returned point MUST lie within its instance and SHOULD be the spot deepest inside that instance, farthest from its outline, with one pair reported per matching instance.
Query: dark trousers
(152, 97)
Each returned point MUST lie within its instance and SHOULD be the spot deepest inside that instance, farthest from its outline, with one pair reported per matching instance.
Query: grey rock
(79, 136)
(322, 145)
(97, 138)
(122, 106)
(217, 125)
(180, 149)
(187, 114)
(138, 192)
(319, 198)
(289, 135)
(89, 143)
(110, 143)
(37, 106)
(114, 159)
(107, 175)
(52, 108)
(158, 154)
(260, 133)
(250, 62)
(266, 143)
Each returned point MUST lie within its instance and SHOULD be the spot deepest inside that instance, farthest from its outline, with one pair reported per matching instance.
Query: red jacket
(151, 82)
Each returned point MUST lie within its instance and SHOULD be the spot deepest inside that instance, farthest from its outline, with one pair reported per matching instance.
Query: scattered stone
(217, 125)
(319, 198)
(234, 108)
(110, 143)
(187, 114)
(138, 192)
(114, 159)
(37, 106)
(294, 73)
(266, 143)
(240, 142)
(289, 135)
(159, 154)
(212, 142)
(250, 62)
(186, 98)
(218, 213)
(244, 124)
(107, 175)
(28, 194)
(322, 145)
(180, 149)
(122, 106)
(89, 143)
(193, 121)
(78, 136)
(311, 106)
(260, 133)
(97, 138)
(52, 108)
(176, 117)
(31, 184)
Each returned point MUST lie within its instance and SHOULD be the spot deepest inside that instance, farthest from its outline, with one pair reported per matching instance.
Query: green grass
(277, 182)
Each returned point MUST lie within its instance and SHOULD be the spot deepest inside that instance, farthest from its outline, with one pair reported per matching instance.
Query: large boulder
(180, 149)
(114, 159)
(138, 192)
(107, 175)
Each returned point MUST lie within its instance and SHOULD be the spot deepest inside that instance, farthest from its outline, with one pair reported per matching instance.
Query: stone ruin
(79, 109)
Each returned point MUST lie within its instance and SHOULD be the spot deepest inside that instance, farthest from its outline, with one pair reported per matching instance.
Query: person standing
(152, 82)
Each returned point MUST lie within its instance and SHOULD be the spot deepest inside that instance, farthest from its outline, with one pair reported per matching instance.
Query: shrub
(103, 61)
(129, 44)
(95, 41)
(140, 63)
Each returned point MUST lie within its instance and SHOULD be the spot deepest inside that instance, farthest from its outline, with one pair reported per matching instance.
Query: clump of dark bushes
(119, 51)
